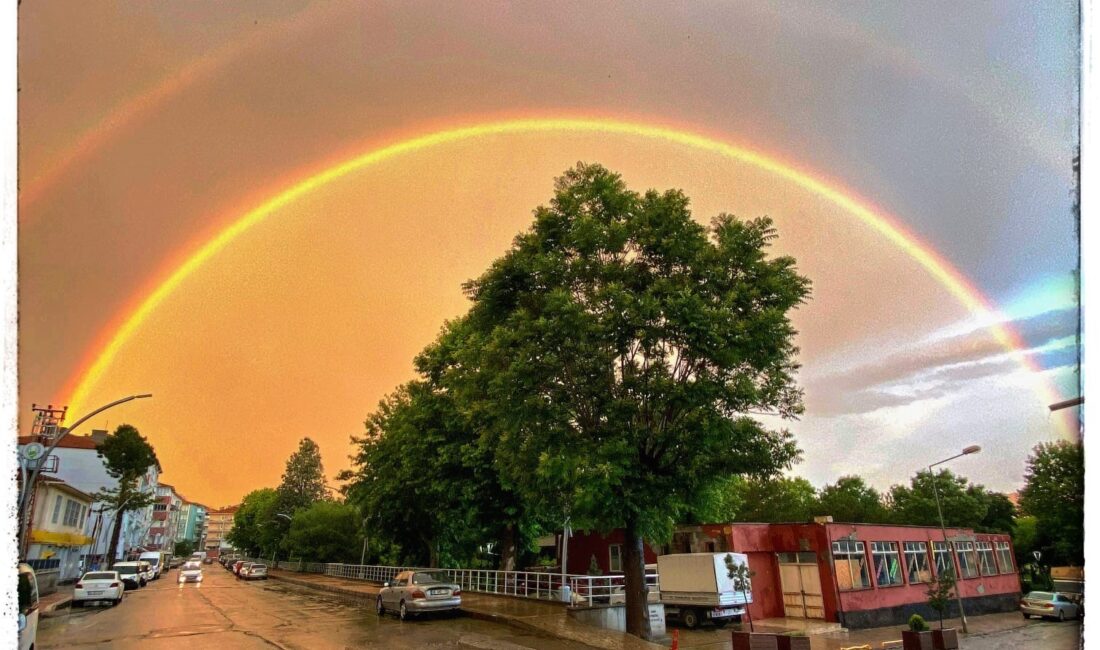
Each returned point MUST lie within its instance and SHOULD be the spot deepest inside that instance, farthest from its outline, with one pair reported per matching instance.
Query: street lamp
(28, 485)
(972, 449)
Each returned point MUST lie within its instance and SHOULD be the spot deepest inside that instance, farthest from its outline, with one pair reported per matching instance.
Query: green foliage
(1054, 493)
(963, 505)
(126, 454)
(771, 500)
(850, 499)
(1025, 539)
(620, 345)
(940, 593)
(917, 624)
(326, 531)
(304, 479)
(184, 548)
(1000, 514)
(256, 528)
(428, 484)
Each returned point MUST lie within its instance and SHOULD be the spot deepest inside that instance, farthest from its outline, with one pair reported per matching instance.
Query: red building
(859, 575)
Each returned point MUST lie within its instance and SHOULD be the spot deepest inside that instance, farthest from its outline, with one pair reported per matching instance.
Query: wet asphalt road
(227, 614)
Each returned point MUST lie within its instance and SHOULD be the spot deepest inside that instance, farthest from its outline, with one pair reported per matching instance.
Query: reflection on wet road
(225, 613)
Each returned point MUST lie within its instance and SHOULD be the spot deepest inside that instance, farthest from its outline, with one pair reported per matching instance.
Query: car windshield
(126, 569)
(1040, 595)
(99, 576)
(428, 578)
(192, 566)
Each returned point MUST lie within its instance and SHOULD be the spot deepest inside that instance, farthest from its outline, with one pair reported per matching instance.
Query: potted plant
(940, 594)
(755, 641)
(918, 636)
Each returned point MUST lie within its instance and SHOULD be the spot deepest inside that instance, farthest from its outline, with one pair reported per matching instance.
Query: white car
(148, 570)
(98, 586)
(132, 575)
(255, 571)
(191, 571)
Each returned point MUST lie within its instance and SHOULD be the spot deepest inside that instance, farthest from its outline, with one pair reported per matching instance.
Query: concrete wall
(613, 617)
(899, 614)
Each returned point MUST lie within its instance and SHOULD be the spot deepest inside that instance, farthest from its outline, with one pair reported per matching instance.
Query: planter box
(789, 642)
(945, 639)
(911, 640)
(755, 641)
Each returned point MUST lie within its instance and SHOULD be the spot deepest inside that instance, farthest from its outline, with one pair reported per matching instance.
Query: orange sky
(144, 129)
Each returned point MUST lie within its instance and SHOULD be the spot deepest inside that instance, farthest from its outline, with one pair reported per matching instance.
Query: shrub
(917, 624)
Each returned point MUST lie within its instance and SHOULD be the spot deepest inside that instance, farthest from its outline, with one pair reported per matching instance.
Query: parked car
(208, 560)
(176, 562)
(243, 570)
(1049, 604)
(101, 586)
(28, 607)
(156, 559)
(417, 592)
(131, 574)
(148, 570)
(255, 571)
(191, 571)
(237, 566)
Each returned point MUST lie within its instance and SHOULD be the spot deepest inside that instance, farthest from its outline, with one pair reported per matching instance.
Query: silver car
(1049, 604)
(417, 592)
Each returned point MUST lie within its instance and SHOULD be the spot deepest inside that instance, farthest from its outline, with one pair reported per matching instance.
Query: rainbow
(112, 340)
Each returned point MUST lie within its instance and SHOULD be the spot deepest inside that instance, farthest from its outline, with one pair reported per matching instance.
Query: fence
(580, 590)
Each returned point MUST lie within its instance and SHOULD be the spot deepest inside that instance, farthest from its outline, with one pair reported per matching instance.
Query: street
(226, 613)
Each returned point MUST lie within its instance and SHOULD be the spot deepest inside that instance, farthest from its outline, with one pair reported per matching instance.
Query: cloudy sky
(149, 130)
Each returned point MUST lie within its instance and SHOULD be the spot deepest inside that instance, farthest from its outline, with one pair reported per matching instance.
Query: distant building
(218, 525)
(80, 466)
(57, 526)
(166, 514)
(859, 575)
(192, 517)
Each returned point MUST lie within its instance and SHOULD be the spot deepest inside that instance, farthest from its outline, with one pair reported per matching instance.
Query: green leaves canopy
(256, 530)
(618, 347)
(1055, 495)
(304, 479)
(326, 531)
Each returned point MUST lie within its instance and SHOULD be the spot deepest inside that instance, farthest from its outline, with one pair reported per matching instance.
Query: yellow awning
(59, 539)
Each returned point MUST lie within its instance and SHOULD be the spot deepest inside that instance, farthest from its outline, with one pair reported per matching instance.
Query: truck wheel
(690, 618)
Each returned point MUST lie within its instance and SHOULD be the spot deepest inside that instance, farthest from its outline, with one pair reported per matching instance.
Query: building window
(1004, 557)
(916, 562)
(942, 554)
(986, 563)
(72, 512)
(887, 565)
(56, 509)
(616, 564)
(968, 563)
(850, 565)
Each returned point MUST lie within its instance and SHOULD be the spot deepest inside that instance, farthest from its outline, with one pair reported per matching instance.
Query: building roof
(58, 483)
(227, 510)
(68, 442)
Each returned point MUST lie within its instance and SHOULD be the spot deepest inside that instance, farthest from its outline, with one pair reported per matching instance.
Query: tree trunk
(637, 607)
(508, 548)
(116, 529)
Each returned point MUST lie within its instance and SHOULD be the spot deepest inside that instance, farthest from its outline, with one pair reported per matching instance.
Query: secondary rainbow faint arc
(888, 227)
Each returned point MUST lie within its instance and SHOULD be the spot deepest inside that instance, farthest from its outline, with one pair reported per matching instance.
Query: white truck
(696, 587)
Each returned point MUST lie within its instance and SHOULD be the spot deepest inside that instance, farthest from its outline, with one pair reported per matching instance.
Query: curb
(50, 609)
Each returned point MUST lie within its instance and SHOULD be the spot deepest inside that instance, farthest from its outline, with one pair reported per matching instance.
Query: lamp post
(972, 449)
(29, 484)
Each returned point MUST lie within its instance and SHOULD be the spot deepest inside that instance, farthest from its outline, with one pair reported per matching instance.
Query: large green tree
(963, 505)
(623, 349)
(1054, 493)
(127, 455)
(326, 531)
(775, 499)
(256, 528)
(304, 479)
(850, 499)
(1000, 514)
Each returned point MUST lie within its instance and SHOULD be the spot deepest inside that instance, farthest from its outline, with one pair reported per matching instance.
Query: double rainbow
(111, 341)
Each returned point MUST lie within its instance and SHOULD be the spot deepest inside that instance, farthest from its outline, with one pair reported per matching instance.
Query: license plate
(718, 613)
(437, 592)
(95, 593)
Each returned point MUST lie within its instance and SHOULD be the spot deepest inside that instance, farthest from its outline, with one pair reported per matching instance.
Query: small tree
(184, 548)
(127, 456)
(741, 577)
(940, 594)
(304, 479)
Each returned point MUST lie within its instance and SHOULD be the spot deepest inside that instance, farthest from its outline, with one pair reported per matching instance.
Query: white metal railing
(608, 590)
(580, 590)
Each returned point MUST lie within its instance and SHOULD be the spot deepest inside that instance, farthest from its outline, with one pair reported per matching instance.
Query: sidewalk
(50, 604)
(546, 618)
